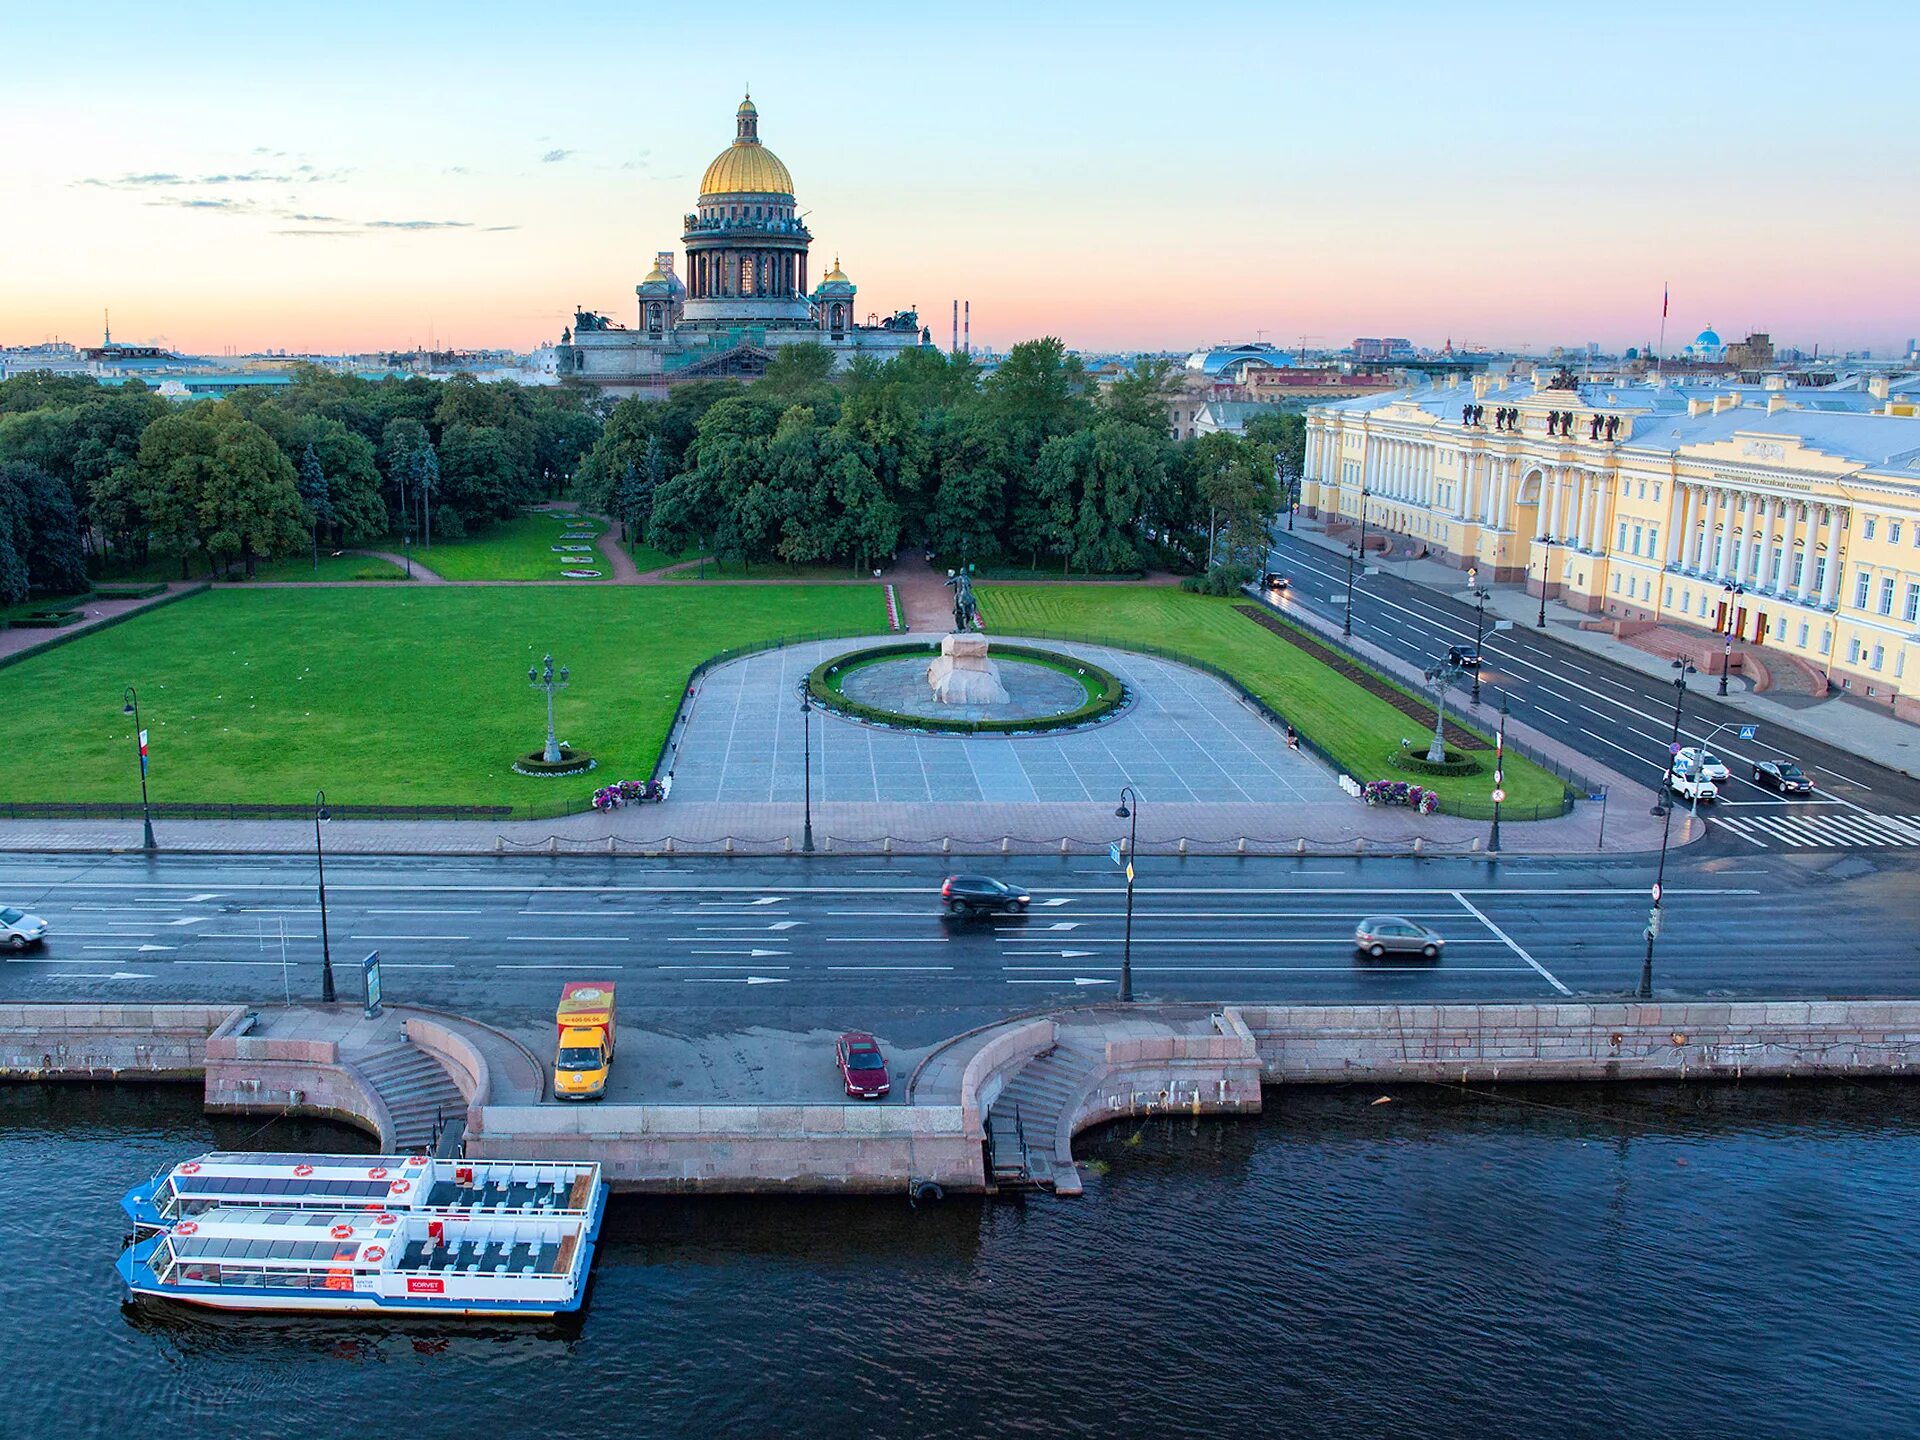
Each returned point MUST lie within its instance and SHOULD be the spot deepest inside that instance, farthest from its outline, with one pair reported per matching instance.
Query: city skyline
(1505, 178)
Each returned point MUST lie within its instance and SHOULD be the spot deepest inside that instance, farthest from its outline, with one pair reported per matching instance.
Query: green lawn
(1357, 728)
(332, 567)
(770, 570)
(519, 549)
(411, 696)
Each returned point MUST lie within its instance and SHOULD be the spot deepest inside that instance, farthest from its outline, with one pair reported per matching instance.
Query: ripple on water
(1534, 1262)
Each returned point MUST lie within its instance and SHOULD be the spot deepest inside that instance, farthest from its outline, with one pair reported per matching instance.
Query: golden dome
(835, 276)
(655, 276)
(746, 107)
(746, 167)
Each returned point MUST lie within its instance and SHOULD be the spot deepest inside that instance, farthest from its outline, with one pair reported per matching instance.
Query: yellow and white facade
(1790, 516)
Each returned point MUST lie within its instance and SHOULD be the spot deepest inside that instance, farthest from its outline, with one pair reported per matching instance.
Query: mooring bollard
(786, 844)
(1300, 846)
(1418, 840)
(1063, 845)
(610, 846)
(553, 844)
(1476, 844)
(1359, 847)
(499, 844)
(1006, 845)
(886, 844)
(1183, 845)
(1240, 846)
(946, 844)
(727, 849)
(667, 845)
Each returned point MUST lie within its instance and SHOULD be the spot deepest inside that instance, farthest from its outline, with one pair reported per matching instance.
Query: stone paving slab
(1187, 739)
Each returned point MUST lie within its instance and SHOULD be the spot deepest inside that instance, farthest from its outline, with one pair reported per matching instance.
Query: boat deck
(483, 1258)
(489, 1195)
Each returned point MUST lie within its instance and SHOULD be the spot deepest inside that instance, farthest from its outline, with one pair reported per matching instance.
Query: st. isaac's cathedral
(744, 293)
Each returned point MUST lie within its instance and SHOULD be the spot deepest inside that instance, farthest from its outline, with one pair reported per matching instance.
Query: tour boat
(406, 1184)
(260, 1258)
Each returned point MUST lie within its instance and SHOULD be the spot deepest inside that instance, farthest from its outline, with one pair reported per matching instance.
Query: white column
(1503, 496)
(1717, 516)
(1764, 562)
(1803, 592)
(1831, 587)
(1786, 585)
(1677, 507)
(1737, 543)
(1697, 527)
(1569, 504)
(1597, 521)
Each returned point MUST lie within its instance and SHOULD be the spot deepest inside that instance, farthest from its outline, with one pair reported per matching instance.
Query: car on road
(863, 1069)
(1782, 775)
(18, 929)
(1703, 764)
(1692, 787)
(1465, 656)
(968, 894)
(1275, 580)
(1379, 935)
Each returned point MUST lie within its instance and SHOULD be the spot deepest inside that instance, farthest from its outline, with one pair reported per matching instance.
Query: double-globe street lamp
(1129, 812)
(1355, 552)
(1499, 777)
(1664, 809)
(541, 677)
(1733, 593)
(131, 706)
(320, 860)
(806, 753)
(1546, 571)
(1480, 596)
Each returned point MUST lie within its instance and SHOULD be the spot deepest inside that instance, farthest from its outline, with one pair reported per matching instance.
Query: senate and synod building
(746, 290)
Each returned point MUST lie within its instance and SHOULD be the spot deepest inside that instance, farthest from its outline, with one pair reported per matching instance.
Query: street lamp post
(1664, 809)
(320, 860)
(542, 678)
(1546, 570)
(806, 751)
(1346, 615)
(1499, 776)
(1353, 553)
(1131, 814)
(406, 543)
(1733, 593)
(1480, 598)
(131, 706)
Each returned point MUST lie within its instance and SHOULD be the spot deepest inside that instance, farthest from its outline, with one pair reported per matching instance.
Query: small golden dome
(746, 107)
(655, 276)
(746, 167)
(835, 276)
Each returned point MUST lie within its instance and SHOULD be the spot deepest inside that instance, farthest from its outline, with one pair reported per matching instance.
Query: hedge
(1113, 696)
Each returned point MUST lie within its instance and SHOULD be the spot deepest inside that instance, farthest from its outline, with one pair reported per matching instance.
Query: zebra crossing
(1823, 830)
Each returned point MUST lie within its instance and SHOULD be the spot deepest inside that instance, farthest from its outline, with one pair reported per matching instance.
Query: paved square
(1186, 738)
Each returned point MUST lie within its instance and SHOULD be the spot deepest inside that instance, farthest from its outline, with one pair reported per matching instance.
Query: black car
(1465, 656)
(966, 894)
(1782, 775)
(1274, 580)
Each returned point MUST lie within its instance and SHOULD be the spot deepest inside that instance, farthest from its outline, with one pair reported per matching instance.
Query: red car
(862, 1067)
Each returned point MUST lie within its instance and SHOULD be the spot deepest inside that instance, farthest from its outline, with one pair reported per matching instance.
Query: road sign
(1113, 852)
(1129, 872)
(370, 970)
(1599, 794)
(1500, 625)
(1674, 748)
(1498, 796)
(1747, 732)
(1656, 892)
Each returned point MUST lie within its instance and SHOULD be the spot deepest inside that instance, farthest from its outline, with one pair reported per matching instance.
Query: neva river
(1527, 1262)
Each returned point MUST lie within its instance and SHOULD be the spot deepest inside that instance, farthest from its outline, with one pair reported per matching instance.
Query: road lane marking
(598, 964)
(394, 939)
(1480, 915)
(916, 969)
(423, 912)
(557, 939)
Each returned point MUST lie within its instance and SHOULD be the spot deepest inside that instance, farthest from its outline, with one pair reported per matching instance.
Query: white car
(19, 929)
(1703, 763)
(1689, 787)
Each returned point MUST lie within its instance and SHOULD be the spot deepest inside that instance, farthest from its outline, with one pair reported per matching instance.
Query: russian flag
(1663, 302)
(143, 752)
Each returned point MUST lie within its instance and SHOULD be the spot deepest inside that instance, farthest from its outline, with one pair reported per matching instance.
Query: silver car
(1378, 934)
(19, 929)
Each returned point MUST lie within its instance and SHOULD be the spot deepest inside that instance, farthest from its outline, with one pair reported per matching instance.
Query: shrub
(1220, 580)
(1456, 763)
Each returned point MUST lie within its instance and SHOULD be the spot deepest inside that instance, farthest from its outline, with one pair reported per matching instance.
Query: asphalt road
(1618, 715)
(704, 945)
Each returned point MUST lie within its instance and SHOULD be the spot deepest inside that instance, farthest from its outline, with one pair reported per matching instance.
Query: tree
(400, 441)
(1235, 482)
(43, 534)
(797, 374)
(1284, 434)
(424, 472)
(634, 500)
(312, 484)
(250, 505)
(1144, 395)
(176, 456)
(482, 476)
(15, 541)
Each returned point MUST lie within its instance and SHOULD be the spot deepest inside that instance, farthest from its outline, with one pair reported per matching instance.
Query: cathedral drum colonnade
(1733, 507)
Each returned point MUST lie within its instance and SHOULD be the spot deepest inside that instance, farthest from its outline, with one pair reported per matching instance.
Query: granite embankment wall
(280, 1075)
(882, 1149)
(1664, 1040)
(107, 1042)
(1217, 1074)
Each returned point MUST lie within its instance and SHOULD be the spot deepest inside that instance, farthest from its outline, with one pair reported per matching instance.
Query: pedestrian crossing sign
(1747, 732)
(1113, 852)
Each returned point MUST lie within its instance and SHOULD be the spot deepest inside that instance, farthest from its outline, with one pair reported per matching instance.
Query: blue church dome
(1707, 337)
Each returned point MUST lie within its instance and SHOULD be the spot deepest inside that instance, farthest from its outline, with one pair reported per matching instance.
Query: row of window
(1863, 592)
(1871, 525)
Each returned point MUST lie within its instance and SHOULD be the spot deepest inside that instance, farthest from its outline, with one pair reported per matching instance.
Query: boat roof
(290, 1236)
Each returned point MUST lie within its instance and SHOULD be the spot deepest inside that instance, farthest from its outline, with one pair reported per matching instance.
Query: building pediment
(1754, 450)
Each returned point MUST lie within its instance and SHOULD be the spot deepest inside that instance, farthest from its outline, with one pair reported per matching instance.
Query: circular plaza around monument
(1046, 690)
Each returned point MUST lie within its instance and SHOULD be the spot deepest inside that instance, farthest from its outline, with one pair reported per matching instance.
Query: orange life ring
(303, 1170)
(400, 1186)
(416, 1160)
(192, 1167)
(373, 1252)
(341, 1232)
(385, 1219)
(185, 1227)
(378, 1172)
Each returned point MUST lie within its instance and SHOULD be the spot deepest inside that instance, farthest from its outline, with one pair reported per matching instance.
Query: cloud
(299, 175)
(552, 156)
(456, 170)
(418, 225)
(204, 202)
(316, 219)
(348, 234)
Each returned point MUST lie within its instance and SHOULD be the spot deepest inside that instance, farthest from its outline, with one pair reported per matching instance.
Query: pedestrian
(666, 785)
(1293, 738)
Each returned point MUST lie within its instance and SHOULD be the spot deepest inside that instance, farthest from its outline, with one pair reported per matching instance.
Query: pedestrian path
(1824, 830)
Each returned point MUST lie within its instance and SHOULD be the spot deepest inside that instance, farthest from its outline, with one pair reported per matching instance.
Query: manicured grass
(416, 695)
(1359, 730)
(519, 549)
(297, 568)
(769, 570)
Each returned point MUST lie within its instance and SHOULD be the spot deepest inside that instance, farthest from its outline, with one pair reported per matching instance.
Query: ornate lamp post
(1733, 593)
(1664, 809)
(1546, 571)
(806, 751)
(1480, 598)
(1355, 553)
(1439, 676)
(320, 860)
(1127, 793)
(131, 706)
(406, 544)
(542, 678)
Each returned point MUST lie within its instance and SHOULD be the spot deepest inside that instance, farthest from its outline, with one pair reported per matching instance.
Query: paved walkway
(421, 573)
(1186, 739)
(1855, 726)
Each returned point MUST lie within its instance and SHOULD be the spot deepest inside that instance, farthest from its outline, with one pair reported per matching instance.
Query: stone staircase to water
(416, 1090)
(1026, 1124)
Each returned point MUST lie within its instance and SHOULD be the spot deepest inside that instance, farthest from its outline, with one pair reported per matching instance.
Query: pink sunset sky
(1125, 176)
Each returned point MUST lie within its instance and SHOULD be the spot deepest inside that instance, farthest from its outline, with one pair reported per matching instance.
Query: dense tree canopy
(1030, 463)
